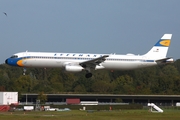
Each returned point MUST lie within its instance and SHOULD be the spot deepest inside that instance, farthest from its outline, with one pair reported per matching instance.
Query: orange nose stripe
(20, 63)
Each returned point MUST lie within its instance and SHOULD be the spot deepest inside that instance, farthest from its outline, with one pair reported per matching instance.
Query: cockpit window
(14, 56)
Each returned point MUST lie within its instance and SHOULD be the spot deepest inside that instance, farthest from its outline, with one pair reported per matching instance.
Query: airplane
(77, 62)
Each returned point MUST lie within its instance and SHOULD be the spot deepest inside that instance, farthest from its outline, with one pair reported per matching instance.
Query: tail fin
(160, 49)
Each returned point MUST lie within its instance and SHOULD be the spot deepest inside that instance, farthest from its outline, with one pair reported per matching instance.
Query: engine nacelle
(74, 68)
(98, 67)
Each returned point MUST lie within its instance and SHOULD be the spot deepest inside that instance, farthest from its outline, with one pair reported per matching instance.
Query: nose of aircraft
(6, 61)
(13, 62)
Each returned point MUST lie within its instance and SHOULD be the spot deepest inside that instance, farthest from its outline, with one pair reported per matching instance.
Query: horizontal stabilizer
(165, 60)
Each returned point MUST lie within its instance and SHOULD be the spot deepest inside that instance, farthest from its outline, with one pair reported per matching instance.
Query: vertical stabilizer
(160, 49)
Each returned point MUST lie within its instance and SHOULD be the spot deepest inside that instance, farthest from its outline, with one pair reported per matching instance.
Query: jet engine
(70, 68)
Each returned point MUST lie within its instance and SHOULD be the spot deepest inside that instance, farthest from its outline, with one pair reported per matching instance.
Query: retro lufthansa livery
(77, 62)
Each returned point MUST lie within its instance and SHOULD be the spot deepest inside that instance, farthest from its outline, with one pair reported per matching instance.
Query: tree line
(163, 79)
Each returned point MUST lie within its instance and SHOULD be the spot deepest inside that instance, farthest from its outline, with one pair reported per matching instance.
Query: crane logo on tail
(165, 43)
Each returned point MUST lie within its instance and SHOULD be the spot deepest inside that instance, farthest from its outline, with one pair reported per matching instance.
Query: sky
(87, 26)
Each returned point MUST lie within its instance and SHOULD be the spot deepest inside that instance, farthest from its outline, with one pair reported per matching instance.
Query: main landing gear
(88, 75)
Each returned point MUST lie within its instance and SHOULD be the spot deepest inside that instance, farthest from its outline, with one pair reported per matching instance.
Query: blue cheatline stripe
(14, 61)
(149, 60)
(158, 43)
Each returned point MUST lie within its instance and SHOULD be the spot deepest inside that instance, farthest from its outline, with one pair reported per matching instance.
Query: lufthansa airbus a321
(77, 62)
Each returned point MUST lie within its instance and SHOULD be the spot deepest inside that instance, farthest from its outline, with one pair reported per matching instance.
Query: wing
(92, 63)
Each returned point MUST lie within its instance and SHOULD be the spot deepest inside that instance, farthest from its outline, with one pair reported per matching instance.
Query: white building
(8, 98)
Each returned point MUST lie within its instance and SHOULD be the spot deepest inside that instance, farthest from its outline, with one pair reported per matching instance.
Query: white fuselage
(114, 62)
(76, 62)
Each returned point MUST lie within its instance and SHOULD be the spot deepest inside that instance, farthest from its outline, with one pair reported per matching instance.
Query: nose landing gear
(24, 71)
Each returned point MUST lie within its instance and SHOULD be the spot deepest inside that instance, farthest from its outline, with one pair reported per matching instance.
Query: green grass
(96, 115)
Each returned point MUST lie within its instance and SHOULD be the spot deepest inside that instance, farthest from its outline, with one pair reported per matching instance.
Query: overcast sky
(87, 26)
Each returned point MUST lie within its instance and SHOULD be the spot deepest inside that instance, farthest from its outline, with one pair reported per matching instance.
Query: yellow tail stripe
(165, 43)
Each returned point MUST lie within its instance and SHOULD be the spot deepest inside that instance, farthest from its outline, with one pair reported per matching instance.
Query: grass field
(96, 115)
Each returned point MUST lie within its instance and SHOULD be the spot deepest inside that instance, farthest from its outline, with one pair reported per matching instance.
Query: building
(166, 100)
(8, 98)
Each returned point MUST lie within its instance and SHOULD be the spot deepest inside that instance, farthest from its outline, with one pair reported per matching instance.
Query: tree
(23, 84)
(164, 79)
(124, 85)
(80, 89)
(101, 87)
(42, 97)
(168, 79)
